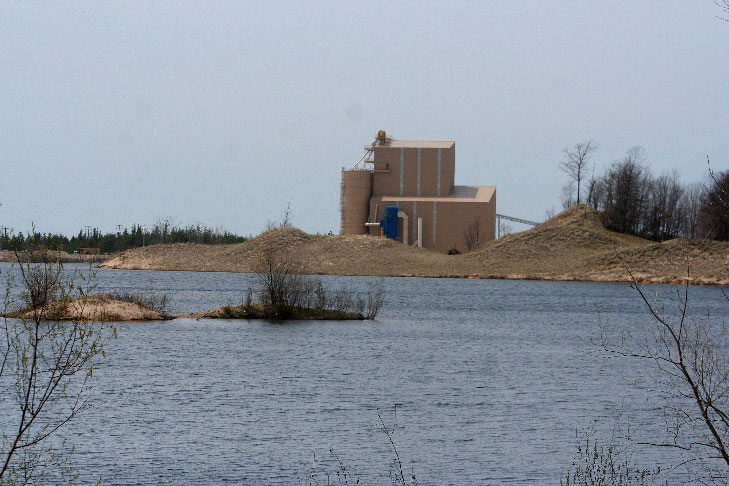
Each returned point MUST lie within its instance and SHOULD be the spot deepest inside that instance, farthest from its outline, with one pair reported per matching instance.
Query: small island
(260, 311)
(126, 307)
(101, 308)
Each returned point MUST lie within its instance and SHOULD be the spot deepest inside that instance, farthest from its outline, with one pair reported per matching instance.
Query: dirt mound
(556, 246)
(573, 245)
(578, 227)
(580, 215)
(277, 239)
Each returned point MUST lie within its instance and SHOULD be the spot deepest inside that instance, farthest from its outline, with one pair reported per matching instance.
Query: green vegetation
(133, 237)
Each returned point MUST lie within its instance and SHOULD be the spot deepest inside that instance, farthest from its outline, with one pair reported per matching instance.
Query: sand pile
(316, 254)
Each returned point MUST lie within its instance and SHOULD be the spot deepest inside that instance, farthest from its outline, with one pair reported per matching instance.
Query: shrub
(152, 301)
(285, 292)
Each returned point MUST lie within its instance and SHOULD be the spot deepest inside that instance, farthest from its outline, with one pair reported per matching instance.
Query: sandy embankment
(573, 245)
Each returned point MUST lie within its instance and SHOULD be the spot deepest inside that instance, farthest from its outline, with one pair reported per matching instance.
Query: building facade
(418, 178)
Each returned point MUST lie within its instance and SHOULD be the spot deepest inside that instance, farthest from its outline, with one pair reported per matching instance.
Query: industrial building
(405, 190)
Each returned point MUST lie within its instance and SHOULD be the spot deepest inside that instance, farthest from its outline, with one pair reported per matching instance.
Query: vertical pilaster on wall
(438, 185)
(402, 171)
(415, 218)
(419, 149)
(434, 213)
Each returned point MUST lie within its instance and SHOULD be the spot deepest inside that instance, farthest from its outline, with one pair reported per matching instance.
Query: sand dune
(573, 245)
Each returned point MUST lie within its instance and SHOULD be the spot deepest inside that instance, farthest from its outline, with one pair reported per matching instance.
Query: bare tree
(45, 367)
(621, 194)
(286, 218)
(693, 379)
(595, 196)
(568, 191)
(576, 162)
(282, 283)
(505, 229)
(714, 212)
(285, 221)
(663, 211)
(396, 469)
(688, 353)
(633, 201)
(724, 6)
(691, 202)
(472, 235)
(285, 292)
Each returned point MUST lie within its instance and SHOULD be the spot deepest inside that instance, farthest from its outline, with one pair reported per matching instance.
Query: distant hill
(573, 245)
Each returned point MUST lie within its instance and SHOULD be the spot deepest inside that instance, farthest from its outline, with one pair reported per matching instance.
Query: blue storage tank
(389, 224)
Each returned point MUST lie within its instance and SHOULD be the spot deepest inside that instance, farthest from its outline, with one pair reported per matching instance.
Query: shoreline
(641, 279)
(7, 256)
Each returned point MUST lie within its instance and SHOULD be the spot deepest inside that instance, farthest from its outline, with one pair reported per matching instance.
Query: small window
(387, 166)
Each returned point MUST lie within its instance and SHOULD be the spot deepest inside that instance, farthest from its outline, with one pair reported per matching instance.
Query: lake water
(492, 381)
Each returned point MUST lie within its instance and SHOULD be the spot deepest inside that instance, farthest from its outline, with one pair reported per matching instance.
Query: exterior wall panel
(388, 176)
(386, 179)
(447, 223)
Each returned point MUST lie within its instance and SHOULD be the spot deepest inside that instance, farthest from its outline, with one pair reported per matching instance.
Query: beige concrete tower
(355, 196)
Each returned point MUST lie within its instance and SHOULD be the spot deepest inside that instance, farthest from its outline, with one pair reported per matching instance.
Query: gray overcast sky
(221, 112)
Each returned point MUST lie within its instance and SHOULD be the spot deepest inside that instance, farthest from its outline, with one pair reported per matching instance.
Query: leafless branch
(50, 363)
(576, 162)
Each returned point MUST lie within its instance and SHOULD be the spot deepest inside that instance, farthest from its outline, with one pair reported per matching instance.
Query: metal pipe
(420, 232)
(404, 217)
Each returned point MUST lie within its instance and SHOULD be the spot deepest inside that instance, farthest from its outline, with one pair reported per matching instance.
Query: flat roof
(459, 194)
(418, 144)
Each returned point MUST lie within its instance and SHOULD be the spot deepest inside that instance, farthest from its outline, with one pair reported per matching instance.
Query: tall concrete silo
(355, 201)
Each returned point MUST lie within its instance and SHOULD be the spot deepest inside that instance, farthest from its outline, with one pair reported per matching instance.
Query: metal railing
(499, 217)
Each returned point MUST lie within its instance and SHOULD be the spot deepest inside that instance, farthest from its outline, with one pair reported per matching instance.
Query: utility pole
(118, 228)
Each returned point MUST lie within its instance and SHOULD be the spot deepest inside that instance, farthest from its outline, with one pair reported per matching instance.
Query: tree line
(633, 200)
(136, 236)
